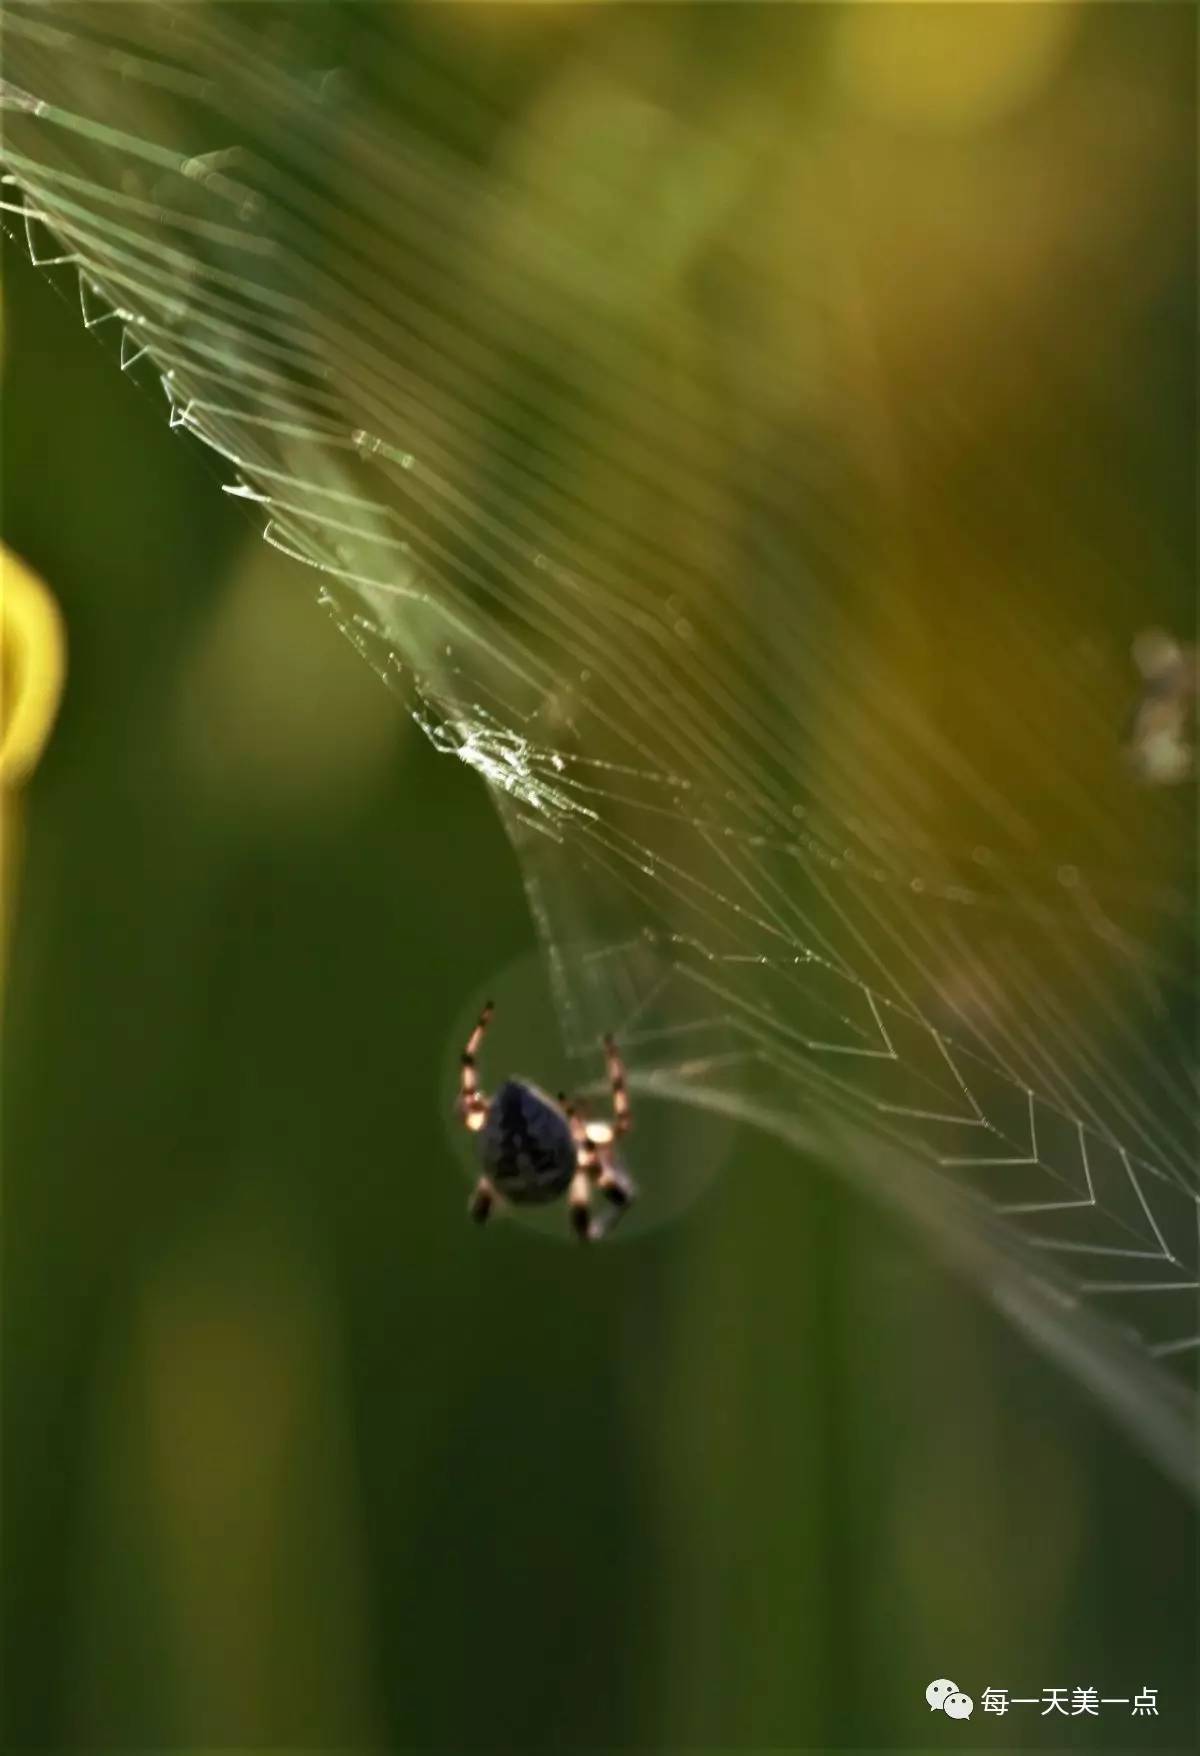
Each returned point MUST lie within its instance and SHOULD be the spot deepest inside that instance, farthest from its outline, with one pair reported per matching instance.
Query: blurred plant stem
(32, 665)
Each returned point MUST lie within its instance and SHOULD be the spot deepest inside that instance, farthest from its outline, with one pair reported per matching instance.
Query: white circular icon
(958, 1705)
(938, 1691)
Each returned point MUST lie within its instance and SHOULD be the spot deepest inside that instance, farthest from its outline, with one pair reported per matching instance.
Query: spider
(533, 1147)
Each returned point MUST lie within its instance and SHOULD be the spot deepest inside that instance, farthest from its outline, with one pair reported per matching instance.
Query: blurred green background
(291, 1455)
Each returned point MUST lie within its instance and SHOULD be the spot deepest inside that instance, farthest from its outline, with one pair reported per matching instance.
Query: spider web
(820, 807)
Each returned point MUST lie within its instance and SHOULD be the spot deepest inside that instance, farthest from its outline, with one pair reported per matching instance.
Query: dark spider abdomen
(526, 1144)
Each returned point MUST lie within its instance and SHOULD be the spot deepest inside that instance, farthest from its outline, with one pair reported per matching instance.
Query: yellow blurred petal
(32, 665)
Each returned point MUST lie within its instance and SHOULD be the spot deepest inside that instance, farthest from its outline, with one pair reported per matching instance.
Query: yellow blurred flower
(32, 665)
(32, 652)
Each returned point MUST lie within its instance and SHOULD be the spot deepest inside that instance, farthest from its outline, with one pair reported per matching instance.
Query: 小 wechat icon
(946, 1697)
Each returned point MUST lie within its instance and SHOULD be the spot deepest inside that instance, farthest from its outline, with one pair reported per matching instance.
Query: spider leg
(586, 1162)
(483, 1199)
(594, 1141)
(579, 1198)
(622, 1119)
(472, 1105)
(618, 1189)
(617, 1185)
